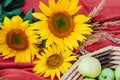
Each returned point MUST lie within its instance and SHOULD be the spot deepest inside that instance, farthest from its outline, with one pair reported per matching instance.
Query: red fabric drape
(23, 71)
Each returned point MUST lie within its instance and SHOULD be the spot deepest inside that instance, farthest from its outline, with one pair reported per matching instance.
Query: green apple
(117, 72)
(89, 79)
(89, 67)
(107, 74)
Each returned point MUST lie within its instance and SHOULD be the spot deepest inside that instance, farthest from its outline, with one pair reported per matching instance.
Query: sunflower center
(54, 61)
(61, 24)
(17, 39)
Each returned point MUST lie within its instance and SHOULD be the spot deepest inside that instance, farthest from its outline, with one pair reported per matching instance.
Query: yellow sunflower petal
(47, 52)
(34, 50)
(78, 37)
(67, 42)
(63, 68)
(54, 48)
(25, 24)
(67, 53)
(66, 6)
(17, 20)
(82, 27)
(40, 16)
(50, 50)
(86, 32)
(7, 22)
(44, 56)
(42, 25)
(48, 42)
(57, 6)
(46, 10)
(68, 64)
(9, 56)
(40, 69)
(52, 4)
(73, 41)
(52, 74)
(81, 19)
(58, 49)
(34, 38)
(22, 57)
(34, 26)
(62, 44)
(48, 72)
(28, 55)
(3, 47)
(17, 58)
(40, 63)
(6, 52)
(1, 26)
(72, 7)
(71, 58)
(63, 5)
(2, 38)
(58, 73)
(44, 34)
(76, 10)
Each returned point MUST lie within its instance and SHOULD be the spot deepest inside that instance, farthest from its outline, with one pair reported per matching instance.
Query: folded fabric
(110, 11)
(23, 71)
(18, 74)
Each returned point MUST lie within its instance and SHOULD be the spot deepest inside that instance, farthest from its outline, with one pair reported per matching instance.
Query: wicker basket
(108, 56)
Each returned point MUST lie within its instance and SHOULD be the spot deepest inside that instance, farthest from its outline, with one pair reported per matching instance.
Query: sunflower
(18, 40)
(53, 61)
(58, 23)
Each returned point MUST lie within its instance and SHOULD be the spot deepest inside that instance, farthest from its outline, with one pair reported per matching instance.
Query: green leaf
(13, 13)
(7, 3)
(16, 12)
(8, 8)
(1, 18)
(0, 8)
(29, 16)
(12, 4)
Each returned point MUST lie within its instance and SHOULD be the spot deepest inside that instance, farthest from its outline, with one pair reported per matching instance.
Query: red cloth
(17, 74)
(23, 71)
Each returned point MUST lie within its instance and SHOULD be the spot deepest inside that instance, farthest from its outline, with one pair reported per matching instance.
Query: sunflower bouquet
(58, 28)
